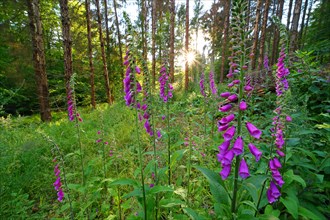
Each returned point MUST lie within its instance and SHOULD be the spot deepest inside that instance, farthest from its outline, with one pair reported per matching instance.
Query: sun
(191, 57)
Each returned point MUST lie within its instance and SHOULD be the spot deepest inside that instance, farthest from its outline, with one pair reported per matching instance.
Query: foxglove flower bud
(225, 108)
(242, 106)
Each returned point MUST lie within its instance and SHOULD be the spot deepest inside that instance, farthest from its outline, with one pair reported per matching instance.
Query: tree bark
(67, 44)
(143, 31)
(256, 34)
(276, 40)
(104, 58)
(224, 40)
(107, 37)
(303, 23)
(172, 25)
(289, 15)
(39, 59)
(118, 35)
(186, 81)
(294, 26)
(90, 52)
(307, 20)
(153, 43)
(263, 35)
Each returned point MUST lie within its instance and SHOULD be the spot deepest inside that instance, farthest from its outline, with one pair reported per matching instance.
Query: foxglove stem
(168, 142)
(239, 126)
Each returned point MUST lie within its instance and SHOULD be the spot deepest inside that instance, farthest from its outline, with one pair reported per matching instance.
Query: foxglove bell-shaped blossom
(225, 108)
(238, 146)
(202, 84)
(222, 127)
(232, 98)
(228, 158)
(253, 130)
(273, 193)
(225, 171)
(227, 119)
(229, 134)
(243, 169)
(224, 146)
(212, 84)
(225, 94)
(255, 151)
(242, 106)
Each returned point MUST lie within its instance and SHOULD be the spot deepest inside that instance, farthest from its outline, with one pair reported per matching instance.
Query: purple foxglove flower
(137, 70)
(57, 184)
(230, 85)
(144, 107)
(245, 67)
(238, 146)
(224, 146)
(222, 127)
(227, 119)
(288, 118)
(273, 193)
(146, 115)
(225, 108)
(280, 153)
(243, 169)
(232, 98)
(230, 75)
(225, 172)
(126, 62)
(225, 94)
(140, 117)
(147, 126)
(274, 164)
(163, 117)
(201, 85)
(151, 185)
(242, 106)
(253, 130)
(220, 156)
(277, 177)
(138, 87)
(236, 81)
(229, 134)
(159, 134)
(228, 158)
(255, 151)
(212, 84)
(248, 88)
(60, 195)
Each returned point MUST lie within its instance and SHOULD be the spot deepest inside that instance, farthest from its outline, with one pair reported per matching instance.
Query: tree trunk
(289, 15)
(143, 32)
(153, 44)
(276, 40)
(107, 37)
(67, 44)
(118, 35)
(39, 59)
(307, 20)
(224, 40)
(294, 26)
(256, 35)
(172, 24)
(104, 58)
(90, 52)
(303, 23)
(186, 70)
(263, 35)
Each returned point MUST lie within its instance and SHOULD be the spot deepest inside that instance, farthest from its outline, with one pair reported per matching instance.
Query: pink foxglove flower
(243, 169)
(273, 193)
(238, 146)
(229, 134)
(253, 130)
(255, 151)
(225, 172)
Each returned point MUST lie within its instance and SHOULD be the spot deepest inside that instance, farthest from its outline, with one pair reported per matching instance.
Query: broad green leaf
(168, 203)
(249, 203)
(291, 205)
(192, 214)
(289, 176)
(157, 189)
(308, 214)
(135, 192)
(176, 156)
(124, 181)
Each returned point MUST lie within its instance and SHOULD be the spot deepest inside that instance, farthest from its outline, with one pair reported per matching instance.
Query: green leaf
(307, 213)
(168, 203)
(253, 184)
(218, 190)
(289, 176)
(291, 205)
(192, 214)
(176, 156)
(135, 192)
(157, 189)
(124, 181)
